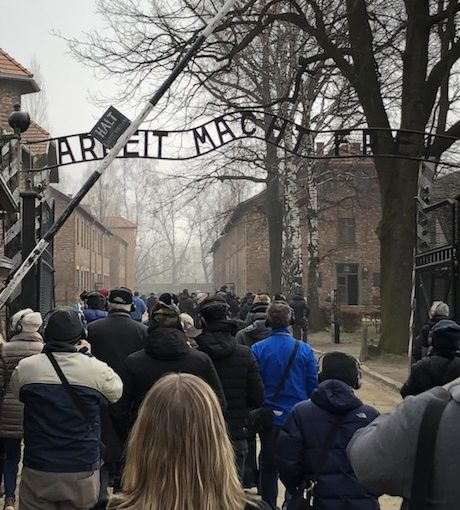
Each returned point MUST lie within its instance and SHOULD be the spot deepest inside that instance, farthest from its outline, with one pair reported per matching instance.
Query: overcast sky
(26, 28)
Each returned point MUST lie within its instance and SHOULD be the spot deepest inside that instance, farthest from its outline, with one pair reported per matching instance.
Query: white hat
(26, 321)
(188, 325)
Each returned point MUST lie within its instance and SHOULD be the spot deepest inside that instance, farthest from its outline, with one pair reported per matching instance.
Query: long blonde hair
(179, 456)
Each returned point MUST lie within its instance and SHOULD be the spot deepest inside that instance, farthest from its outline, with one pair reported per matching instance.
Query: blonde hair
(179, 456)
(261, 298)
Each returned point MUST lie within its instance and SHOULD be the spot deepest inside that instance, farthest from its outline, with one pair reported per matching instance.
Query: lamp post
(20, 122)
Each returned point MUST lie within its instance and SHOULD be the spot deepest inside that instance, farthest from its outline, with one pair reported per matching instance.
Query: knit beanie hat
(342, 366)
(26, 321)
(164, 316)
(64, 325)
(168, 298)
(445, 336)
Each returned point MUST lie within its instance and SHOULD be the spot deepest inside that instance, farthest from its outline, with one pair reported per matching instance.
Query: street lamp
(18, 120)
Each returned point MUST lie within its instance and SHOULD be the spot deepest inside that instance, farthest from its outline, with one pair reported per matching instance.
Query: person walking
(95, 307)
(112, 340)
(166, 351)
(280, 354)
(312, 442)
(139, 307)
(237, 369)
(301, 313)
(62, 390)
(178, 451)
(442, 365)
(411, 452)
(25, 342)
(186, 304)
(257, 328)
(439, 311)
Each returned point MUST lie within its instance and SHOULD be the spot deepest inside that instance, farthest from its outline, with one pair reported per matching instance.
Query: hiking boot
(9, 504)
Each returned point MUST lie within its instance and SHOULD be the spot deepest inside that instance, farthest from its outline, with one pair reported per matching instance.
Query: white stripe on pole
(111, 155)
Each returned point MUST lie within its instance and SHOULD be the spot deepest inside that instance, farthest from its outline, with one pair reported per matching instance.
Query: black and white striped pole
(104, 128)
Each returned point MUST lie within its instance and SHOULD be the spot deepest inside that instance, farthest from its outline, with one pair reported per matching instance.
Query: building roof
(36, 133)
(254, 203)
(445, 186)
(118, 222)
(13, 70)
(57, 193)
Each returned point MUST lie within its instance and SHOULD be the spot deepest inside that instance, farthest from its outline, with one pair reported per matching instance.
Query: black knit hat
(342, 366)
(63, 325)
(445, 336)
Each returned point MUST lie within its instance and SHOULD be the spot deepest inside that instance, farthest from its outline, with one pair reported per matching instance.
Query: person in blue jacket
(302, 438)
(272, 355)
(96, 307)
(139, 307)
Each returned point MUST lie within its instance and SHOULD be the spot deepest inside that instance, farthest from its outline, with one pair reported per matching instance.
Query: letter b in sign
(110, 127)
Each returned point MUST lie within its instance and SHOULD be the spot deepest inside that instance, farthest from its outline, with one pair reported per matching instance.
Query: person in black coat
(442, 365)
(438, 312)
(301, 313)
(237, 369)
(166, 351)
(112, 340)
(332, 404)
(257, 328)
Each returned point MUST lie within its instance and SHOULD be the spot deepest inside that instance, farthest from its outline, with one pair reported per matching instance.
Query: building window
(346, 231)
(78, 231)
(376, 280)
(77, 278)
(347, 283)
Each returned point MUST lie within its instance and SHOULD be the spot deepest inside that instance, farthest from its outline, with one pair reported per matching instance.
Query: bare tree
(37, 104)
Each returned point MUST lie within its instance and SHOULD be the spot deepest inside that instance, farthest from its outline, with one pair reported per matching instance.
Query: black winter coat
(301, 309)
(114, 338)
(166, 352)
(238, 372)
(436, 369)
(305, 431)
(421, 340)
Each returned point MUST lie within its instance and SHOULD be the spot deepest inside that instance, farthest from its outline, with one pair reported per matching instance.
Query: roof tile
(10, 66)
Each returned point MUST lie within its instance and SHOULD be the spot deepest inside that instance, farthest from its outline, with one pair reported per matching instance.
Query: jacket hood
(298, 298)
(335, 396)
(27, 337)
(218, 340)
(166, 343)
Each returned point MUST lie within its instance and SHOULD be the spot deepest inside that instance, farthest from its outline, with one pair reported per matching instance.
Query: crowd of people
(155, 403)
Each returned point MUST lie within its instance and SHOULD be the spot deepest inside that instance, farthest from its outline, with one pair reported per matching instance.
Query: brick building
(349, 213)
(88, 255)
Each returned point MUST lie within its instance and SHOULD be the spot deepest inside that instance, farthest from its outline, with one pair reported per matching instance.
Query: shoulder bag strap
(71, 392)
(422, 481)
(284, 375)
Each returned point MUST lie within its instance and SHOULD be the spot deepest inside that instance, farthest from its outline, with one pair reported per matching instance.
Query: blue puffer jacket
(272, 355)
(306, 430)
(92, 315)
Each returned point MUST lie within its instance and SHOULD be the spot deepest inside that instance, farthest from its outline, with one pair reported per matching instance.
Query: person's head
(63, 324)
(26, 321)
(341, 366)
(445, 336)
(95, 301)
(201, 296)
(185, 292)
(261, 298)
(279, 297)
(439, 309)
(258, 312)
(164, 316)
(168, 298)
(179, 455)
(120, 299)
(279, 315)
(214, 308)
(188, 326)
(136, 293)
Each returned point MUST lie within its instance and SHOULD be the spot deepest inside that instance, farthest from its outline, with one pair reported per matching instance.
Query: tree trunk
(274, 213)
(315, 320)
(398, 183)
(291, 258)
